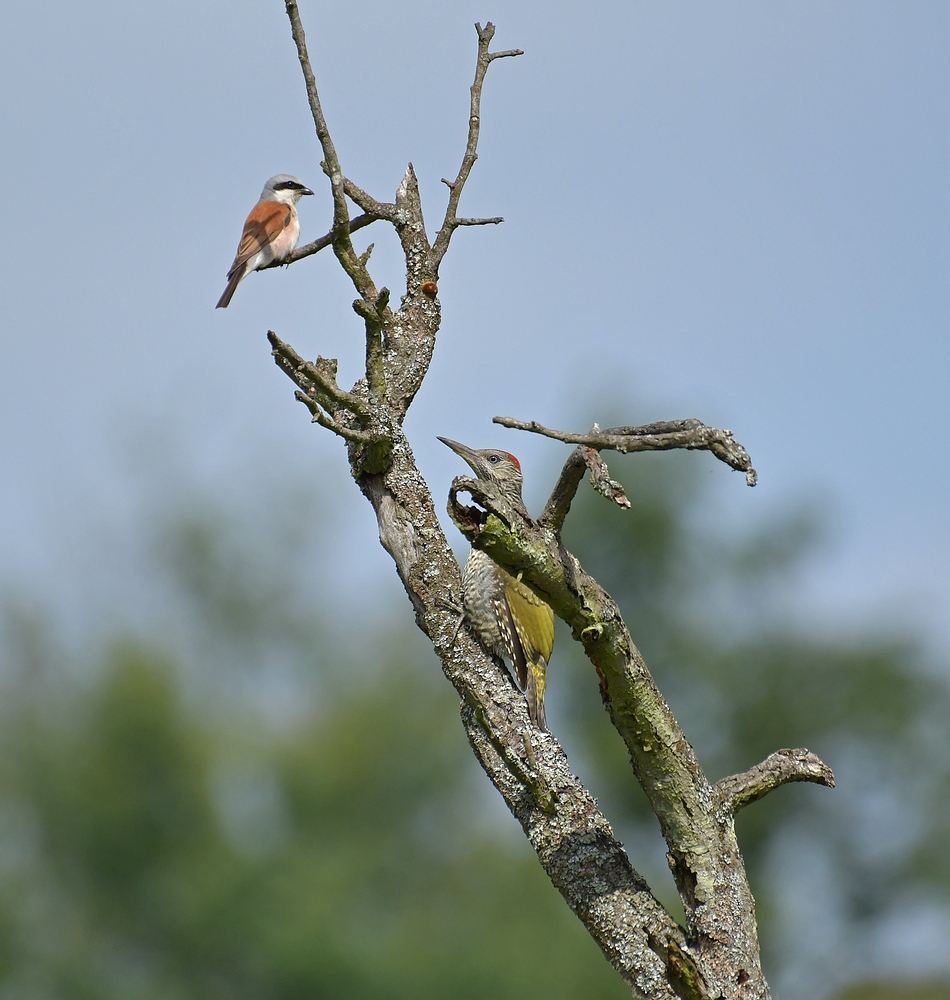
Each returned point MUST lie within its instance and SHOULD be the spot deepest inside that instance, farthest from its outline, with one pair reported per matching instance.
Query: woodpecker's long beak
(462, 450)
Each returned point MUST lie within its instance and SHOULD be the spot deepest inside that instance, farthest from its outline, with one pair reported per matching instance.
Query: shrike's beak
(306, 191)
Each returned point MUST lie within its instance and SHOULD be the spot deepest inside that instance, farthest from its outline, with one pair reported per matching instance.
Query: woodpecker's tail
(234, 279)
(534, 692)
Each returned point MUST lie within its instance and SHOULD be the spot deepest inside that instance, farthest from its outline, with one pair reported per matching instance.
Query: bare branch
(410, 228)
(342, 244)
(379, 209)
(340, 213)
(690, 434)
(365, 201)
(556, 509)
(360, 222)
(347, 433)
(505, 53)
(585, 862)
(639, 712)
(479, 222)
(573, 840)
(702, 847)
(451, 221)
(366, 254)
(562, 496)
(601, 481)
(409, 338)
(562, 821)
(308, 375)
(739, 790)
(374, 317)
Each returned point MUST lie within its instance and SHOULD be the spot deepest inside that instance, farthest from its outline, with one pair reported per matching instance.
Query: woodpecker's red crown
(493, 454)
(491, 464)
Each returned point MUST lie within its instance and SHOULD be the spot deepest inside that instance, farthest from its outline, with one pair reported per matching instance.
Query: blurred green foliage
(897, 991)
(169, 828)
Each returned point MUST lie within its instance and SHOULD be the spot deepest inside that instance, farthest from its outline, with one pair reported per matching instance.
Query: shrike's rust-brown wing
(268, 219)
(264, 226)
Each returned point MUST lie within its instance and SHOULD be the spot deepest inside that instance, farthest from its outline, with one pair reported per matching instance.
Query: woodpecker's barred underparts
(508, 618)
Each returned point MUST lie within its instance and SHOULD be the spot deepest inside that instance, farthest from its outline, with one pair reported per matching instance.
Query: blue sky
(735, 211)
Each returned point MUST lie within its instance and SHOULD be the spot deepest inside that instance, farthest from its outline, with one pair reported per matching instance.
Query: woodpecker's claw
(453, 607)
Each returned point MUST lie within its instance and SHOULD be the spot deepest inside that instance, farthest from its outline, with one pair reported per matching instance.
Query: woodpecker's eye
(493, 459)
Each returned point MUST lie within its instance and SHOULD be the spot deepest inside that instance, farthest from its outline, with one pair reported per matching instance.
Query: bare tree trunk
(717, 953)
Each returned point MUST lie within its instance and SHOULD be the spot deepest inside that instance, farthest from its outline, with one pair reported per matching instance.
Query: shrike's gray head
(285, 188)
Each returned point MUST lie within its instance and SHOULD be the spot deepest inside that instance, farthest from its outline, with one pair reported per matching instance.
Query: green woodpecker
(509, 619)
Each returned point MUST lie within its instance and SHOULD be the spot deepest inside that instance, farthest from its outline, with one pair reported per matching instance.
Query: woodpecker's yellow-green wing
(534, 692)
(533, 620)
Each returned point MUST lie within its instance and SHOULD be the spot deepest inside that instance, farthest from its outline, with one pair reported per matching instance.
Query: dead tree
(716, 954)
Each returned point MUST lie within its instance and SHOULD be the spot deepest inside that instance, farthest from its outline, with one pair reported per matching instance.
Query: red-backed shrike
(270, 232)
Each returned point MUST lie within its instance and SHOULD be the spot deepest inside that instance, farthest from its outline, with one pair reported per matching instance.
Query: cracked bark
(716, 955)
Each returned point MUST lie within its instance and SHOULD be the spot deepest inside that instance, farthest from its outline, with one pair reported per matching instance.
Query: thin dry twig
(562, 496)
(739, 790)
(375, 316)
(559, 504)
(601, 481)
(364, 200)
(309, 376)
(451, 221)
(479, 222)
(341, 242)
(341, 430)
(340, 213)
(661, 436)
(308, 249)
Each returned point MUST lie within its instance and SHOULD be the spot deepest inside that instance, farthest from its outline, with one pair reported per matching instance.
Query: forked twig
(451, 221)
(661, 436)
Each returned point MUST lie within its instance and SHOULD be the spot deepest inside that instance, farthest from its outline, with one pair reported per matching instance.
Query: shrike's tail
(234, 279)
